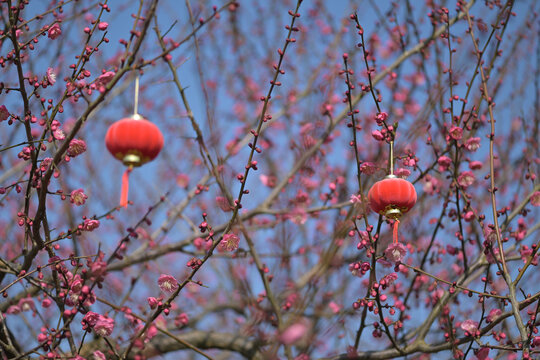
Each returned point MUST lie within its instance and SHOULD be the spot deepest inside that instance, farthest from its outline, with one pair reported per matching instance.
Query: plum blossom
(377, 135)
(294, 332)
(54, 31)
(90, 224)
(98, 355)
(153, 302)
(356, 199)
(475, 165)
(493, 315)
(395, 252)
(444, 163)
(402, 173)
(492, 256)
(182, 180)
(167, 283)
(76, 147)
(358, 268)
(181, 320)
(388, 280)
(455, 132)
(368, 168)
(432, 185)
(535, 199)
(51, 76)
(229, 242)
(103, 25)
(268, 180)
(201, 243)
(223, 203)
(78, 197)
(483, 353)
(46, 303)
(473, 144)
(4, 113)
(104, 326)
(103, 80)
(470, 327)
(27, 304)
(90, 319)
(466, 179)
(298, 216)
(381, 117)
(525, 252)
(334, 307)
(13, 309)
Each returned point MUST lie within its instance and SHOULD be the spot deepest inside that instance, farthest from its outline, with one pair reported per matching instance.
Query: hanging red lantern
(134, 141)
(392, 197)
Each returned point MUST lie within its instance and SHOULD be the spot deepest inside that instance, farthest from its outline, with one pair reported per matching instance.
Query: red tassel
(396, 224)
(125, 187)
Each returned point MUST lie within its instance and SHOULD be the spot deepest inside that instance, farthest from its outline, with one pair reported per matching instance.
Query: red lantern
(392, 197)
(134, 141)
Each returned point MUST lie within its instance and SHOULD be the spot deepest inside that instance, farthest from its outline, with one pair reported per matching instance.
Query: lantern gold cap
(132, 160)
(393, 213)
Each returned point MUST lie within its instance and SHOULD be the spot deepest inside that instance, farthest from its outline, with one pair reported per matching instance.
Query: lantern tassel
(125, 187)
(396, 224)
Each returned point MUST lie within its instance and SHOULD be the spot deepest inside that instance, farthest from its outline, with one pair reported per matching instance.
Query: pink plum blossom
(223, 203)
(78, 197)
(268, 180)
(483, 353)
(334, 307)
(181, 320)
(91, 318)
(356, 199)
(4, 113)
(377, 135)
(182, 180)
(103, 25)
(444, 163)
(153, 302)
(54, 31)
(98, 355)
(470, 327)
(455, 132)
(381, 117)
(402, 173)
(473, 144)
(27, 304)
(90, 224)
(294, 333)
(395, 252)
(76, 147)
(229, 242)
(104, 326)
(51, 76)
(493, 315)
(475, 165)
(368, 168)
(535, 199)
(466, 179)
(167, 283)
(104, 79)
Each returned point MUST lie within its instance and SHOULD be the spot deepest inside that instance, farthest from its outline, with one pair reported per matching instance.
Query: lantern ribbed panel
(394, 192)
(134, 136)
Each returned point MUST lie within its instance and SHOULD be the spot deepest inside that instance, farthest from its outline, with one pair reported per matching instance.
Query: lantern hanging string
(396, 224)
(391, 157)
(136, 102)
(125, 187)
